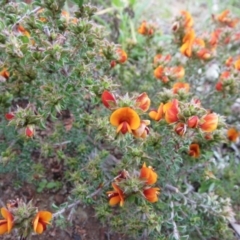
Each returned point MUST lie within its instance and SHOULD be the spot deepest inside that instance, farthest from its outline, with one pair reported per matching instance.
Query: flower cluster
(146, 28)
(185, 36)
(164, 72)
(143, 184)
(126, 119)
(25, 217)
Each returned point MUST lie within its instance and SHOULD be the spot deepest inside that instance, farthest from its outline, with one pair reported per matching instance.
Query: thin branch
(66, 208)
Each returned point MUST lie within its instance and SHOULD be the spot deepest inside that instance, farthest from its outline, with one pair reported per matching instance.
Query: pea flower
(29, 131)
(151, 194)
(108, 99)
(143, 130)
(41, 221)
(171, 110)
(146, 29)
(188, 20)
(180, 128)
(143, 101)
(193, 121)
(125, 119)
(233, 134)
(186, 48)
(6, 224)
(180, 85)
(9, 116)
(122, 56)
(158, 114)
(209, 122)
(4, 73)
(194, 150)
(148, 174)
(116, 196)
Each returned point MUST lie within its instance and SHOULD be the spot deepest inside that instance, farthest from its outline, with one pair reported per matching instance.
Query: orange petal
(125, 114)
(3, 226)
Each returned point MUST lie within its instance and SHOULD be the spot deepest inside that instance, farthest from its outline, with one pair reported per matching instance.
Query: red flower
(180, 128)
(29, 131)
(9, 116)
(108, 99)
(193, 122)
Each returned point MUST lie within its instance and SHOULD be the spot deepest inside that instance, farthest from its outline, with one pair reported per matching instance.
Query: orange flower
(21, 29)
(194, 150)
(9, 116)
(159, 74)
(6, 225)
(41, 220)
(226, 20)
(121, 56)
(177, 72)
(171, 110)
(232, 134)
(204, 54)
(159, 58)
(186, 48)
(151, 194)
(180, 128)
(29, 131)
(215, 36)
(146, 29)
(237, 64)
(116, 196)
(157, 115)
(143, 130)
(148, 174)
(108, 99)
(209, 122)
(188, 23)
(143, 101)
(125, 119)
(229, 61)
(193, 121)
(180, 85)
(4, 73)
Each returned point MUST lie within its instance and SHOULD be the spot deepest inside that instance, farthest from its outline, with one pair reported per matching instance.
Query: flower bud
(180, 129)
(108, 99)
(9, 116)
(143, 101)
(193, 121)
(29, 131)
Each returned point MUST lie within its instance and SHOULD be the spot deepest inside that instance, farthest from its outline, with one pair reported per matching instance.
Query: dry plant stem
(175, 229)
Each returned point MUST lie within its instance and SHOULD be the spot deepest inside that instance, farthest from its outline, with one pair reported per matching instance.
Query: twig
(62, 143)
(66, 208)
(175, 229)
